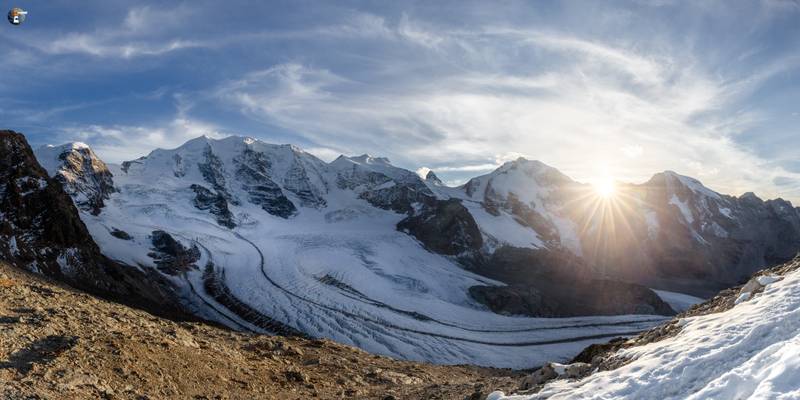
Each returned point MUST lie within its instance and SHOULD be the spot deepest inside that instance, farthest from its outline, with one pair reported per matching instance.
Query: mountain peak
(368, 159)
(432, 178)
(68, 146)
(671, 178)
(522, 162)
(52, 157)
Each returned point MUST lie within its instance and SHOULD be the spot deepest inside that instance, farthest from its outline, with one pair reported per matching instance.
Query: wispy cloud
(625, 89)
(601, 107)
(117, 143)
(144, 31)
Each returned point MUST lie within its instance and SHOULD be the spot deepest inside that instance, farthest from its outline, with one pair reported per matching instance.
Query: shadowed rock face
(515, 265)
(213, 172)
(214, 203)
(170, 256)
(556, 283)
(40, 231)
(570, 299)
(445, 228)
(252, 171)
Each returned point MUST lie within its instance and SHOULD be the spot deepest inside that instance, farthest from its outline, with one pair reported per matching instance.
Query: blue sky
(597, 89)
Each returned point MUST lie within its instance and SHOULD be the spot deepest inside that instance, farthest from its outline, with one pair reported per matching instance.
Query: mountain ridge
(522, 215)
(360, 234)
(258, 236)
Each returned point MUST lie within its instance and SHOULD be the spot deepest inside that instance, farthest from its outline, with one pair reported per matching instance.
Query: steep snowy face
(83, 175)
(524, 204)
(235, 171)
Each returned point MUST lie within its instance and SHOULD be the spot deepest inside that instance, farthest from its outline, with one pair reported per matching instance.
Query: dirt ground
(59, 343)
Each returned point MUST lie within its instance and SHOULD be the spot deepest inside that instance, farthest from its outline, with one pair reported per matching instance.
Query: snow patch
(678, 301)
(765, 280)
(651, 219)
(684, 208)
(12, 244)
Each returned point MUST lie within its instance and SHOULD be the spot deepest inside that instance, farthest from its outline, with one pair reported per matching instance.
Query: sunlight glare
(605, 188)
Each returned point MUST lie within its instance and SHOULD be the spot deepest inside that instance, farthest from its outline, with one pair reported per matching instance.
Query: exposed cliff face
(81, 173)
(214, 203)
(445, 228)
(41, 231)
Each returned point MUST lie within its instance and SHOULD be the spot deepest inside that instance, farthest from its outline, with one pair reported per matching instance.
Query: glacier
(330, 265)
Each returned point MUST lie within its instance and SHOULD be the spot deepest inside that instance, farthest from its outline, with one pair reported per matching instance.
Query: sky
(597, 89)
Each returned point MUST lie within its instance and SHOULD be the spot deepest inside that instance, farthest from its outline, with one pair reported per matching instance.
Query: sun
(605, 188)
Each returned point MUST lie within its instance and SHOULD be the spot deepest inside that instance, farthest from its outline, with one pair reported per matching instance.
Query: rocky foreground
(58, 343)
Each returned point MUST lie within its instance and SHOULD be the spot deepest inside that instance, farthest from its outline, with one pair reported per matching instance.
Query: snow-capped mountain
(683, 236)
(670, 232)
(41, 230)
(85, 177)
(269, 238)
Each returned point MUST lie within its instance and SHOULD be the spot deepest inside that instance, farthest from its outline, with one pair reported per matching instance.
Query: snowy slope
(750, 351)
(289, 243)
(521, 204)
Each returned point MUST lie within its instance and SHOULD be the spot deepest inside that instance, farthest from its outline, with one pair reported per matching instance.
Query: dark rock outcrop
(569, 299)
(252, 171)
(120, 234)
(214, 203)
(381, 184)
(400, 197)
(445, 228)
(212, 170)
(514, 265)
(170, 256)
(431, 178)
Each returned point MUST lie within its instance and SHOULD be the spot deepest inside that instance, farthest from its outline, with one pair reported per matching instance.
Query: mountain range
(269, 238)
